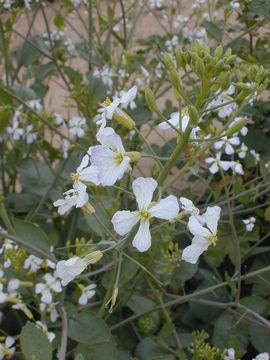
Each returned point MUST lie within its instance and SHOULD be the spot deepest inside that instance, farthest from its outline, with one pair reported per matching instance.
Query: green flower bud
(150, 99)
(193, 115)
(180, 58)
(237, 126)
(134, 156)
(124, 119)
(218, 52)
(176, 80)
(168, 61)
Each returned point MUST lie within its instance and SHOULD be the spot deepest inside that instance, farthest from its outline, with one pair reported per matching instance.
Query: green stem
(174, 157)
(4, 216)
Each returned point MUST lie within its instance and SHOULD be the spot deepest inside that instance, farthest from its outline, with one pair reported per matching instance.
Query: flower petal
(166, 209)
(123, 221)
(211, 217)
(142, 240)
(143, 189)
(196, 228)
(108, 138)
(89, 174)
(192, 252)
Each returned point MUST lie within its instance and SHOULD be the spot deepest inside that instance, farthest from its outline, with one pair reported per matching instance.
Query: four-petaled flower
(204, 230)
(216, 163)
(77, 197)
(109, 157)
(127, 98)
(123, 221)
(87, 293)
(45, 289)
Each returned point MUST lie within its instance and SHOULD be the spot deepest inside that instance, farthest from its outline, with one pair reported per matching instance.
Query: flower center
(74, 176)
(144, 214)
(212, 239)
(119, 158)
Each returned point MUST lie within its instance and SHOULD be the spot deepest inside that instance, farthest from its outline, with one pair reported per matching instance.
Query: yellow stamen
(74, 176)
(212, 239)
(144, 214)
(119, 158)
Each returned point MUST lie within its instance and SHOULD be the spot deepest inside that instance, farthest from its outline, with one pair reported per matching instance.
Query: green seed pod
(176, 80)
(150, 99)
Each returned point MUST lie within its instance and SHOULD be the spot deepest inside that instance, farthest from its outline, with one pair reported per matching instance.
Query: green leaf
(88, 329)
(230, 332)
(102, 351)
(31, 50)
(255, 303)
(24, 92)
(32, 234)
(149, 349)
(260, 337)
(213, 30)
(35, 344)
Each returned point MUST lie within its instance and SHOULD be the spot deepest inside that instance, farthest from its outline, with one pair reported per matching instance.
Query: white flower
(32, 263)
(69, 269)
(262, 356)
(15, 131)
(250, 223)
(224, 110)
(35, 104)
(237, 167)
(179, 21)
(156, 3)
(87, 293)
(85, 172)
(7, 349)
(106, 113)
(77, 197)
(235, 5)
(216, 163)
(188, 206)
(45, 289)
(105, 74)
(204, 231)
(228, 144)
(127, 98)
(243, 151)
(51, 309)
(175, 121)
(58, 119)
(123, 221)
(76, 126)
(170, 44)
(109, 157)
(230, 354)
(13, 285)
(256, 155)
(44, 328)
(29, 135)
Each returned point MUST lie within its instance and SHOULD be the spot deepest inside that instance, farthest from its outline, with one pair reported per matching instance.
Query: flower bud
(193, 115)
(218, 52)
(150, 99)
(176, 80)
(180, 58)
(121, 116)
(88, 208)
(168, 61)
(93, 257)
(237, 126)
(134, 156)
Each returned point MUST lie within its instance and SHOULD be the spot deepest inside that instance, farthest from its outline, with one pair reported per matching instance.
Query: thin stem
(63, 347)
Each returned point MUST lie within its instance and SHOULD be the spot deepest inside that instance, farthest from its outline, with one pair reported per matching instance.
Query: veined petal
(108, 138)
(123, 221)
(110, 170)
(213, 168)
(89, 174)
(82, 196)
(196, 228)
(192, 252)
(174, 120)
(143, 189)
(166, 209)
(211, 217)
(84, 163)
(142, 240)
